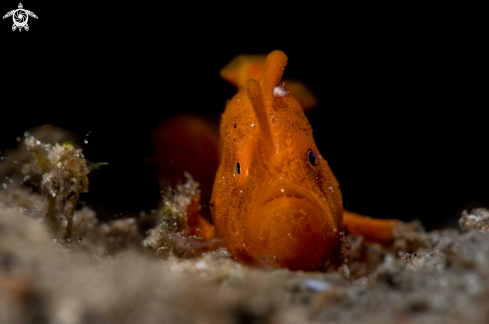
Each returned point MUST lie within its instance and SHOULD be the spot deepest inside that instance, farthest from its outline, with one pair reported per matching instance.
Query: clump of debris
(170, 236)
(64, 177)
(478, 220)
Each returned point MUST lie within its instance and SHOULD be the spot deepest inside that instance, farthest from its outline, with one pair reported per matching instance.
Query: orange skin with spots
(281, 209)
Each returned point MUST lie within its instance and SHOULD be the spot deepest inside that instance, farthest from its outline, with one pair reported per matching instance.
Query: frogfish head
(275, 201)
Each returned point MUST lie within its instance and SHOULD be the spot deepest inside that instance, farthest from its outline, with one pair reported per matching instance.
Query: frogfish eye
(312, 157)
(238, 169)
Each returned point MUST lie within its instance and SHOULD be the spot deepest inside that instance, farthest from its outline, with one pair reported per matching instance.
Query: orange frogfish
(275, 201)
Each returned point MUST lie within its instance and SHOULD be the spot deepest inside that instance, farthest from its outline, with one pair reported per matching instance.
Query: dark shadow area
(400, 104)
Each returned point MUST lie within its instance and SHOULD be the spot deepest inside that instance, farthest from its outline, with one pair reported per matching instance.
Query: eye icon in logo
(20, 17)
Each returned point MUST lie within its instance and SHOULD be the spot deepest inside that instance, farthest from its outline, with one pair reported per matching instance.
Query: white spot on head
(280, 91)
(252, 125)
(331, 188)
(282, 190)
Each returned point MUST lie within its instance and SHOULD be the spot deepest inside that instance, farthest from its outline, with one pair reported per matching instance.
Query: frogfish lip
(292, 228)
(286, 197)
(285, 189)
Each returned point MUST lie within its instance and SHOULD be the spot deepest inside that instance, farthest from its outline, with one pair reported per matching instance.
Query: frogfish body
(275, 200)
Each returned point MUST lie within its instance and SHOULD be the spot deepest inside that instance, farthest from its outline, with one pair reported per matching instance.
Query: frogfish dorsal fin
(250, 66)
(242, 68)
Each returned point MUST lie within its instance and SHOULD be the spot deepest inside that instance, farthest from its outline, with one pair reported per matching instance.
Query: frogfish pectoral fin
(381, 231)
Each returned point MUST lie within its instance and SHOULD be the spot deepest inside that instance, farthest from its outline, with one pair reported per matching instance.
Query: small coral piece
(64, 177)
(169, 236)
(478, 219)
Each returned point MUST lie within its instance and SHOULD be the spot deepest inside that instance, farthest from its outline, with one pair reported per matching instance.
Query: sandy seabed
(113, 273)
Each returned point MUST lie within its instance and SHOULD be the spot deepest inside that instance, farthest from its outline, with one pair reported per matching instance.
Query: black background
(402, 92)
